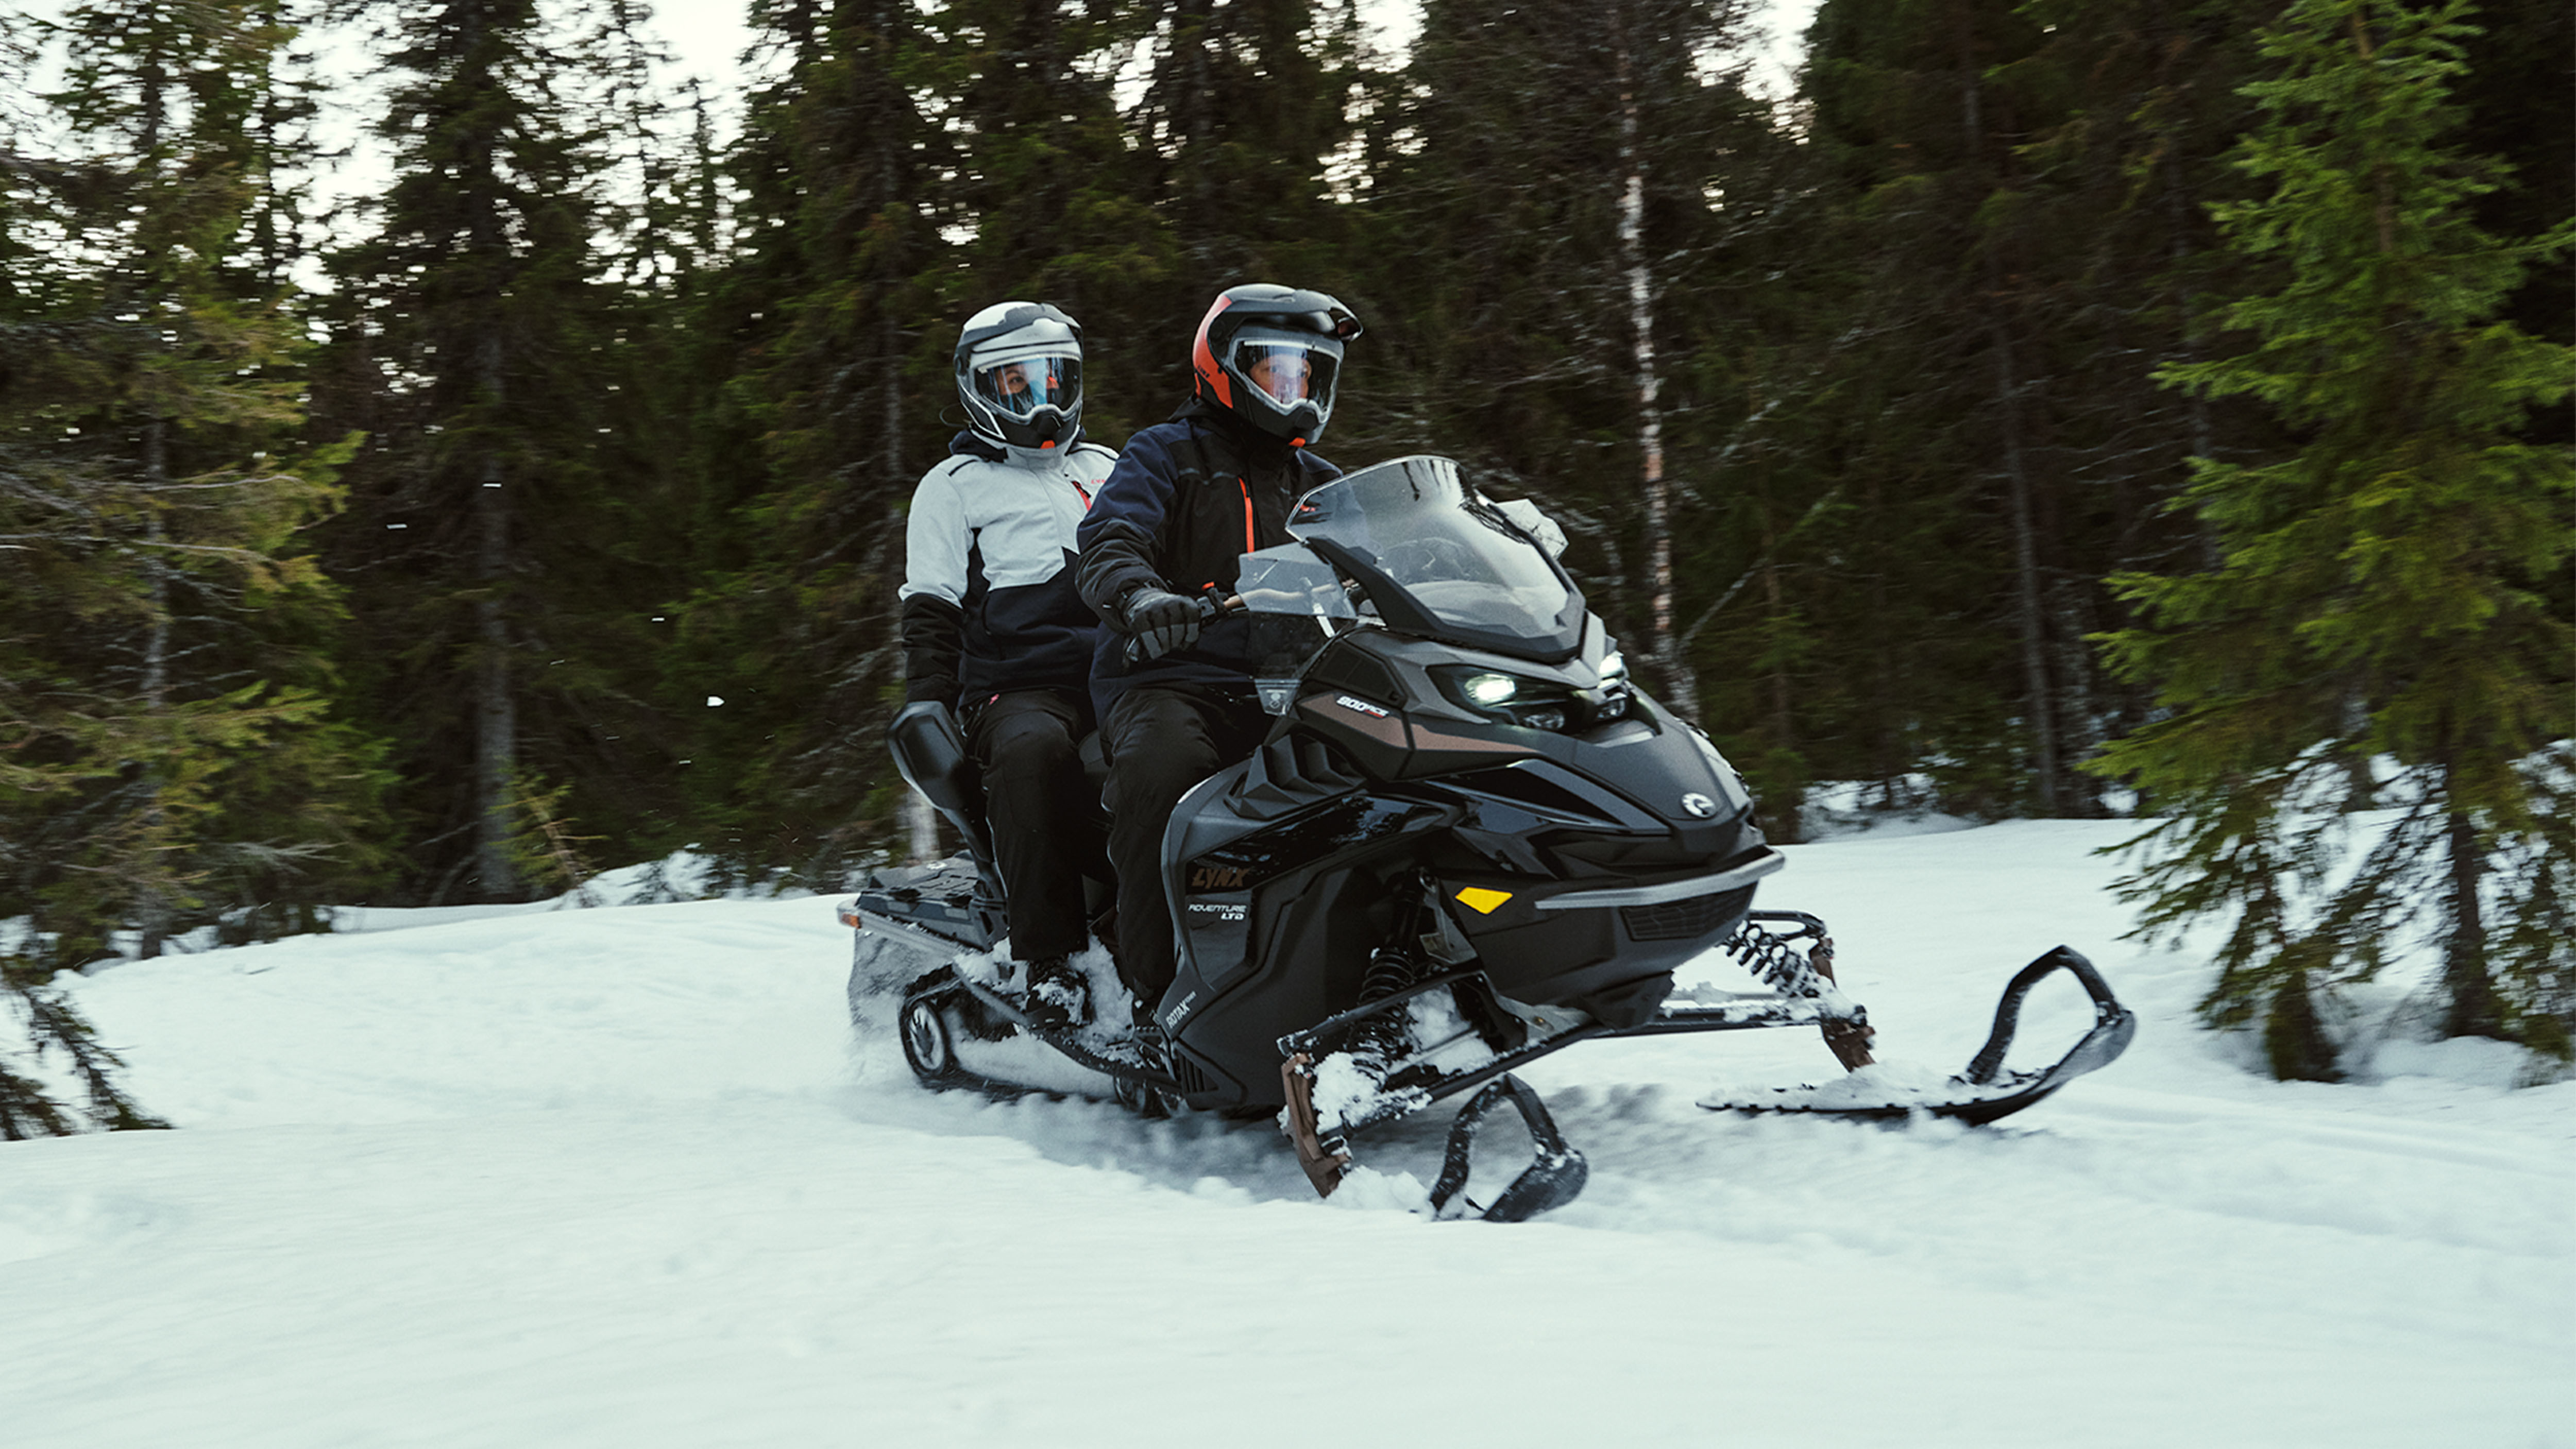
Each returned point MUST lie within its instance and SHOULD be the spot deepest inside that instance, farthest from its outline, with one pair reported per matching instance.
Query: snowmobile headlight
(1609, 700)
(1537, 704)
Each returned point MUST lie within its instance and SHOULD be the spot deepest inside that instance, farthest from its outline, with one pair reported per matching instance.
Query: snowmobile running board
(944, 980)
(1128, 1070)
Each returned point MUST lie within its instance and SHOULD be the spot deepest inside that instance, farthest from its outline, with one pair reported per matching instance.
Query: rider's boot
(1058, 998)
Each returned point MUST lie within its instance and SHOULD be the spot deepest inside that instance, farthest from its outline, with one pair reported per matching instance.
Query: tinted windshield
(1434, 559)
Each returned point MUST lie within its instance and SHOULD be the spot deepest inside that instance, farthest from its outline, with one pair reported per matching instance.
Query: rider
(1189, 497)
(992, 626)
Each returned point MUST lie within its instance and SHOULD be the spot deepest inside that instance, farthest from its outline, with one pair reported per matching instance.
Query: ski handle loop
(2107, 1011)
(1556, 1173)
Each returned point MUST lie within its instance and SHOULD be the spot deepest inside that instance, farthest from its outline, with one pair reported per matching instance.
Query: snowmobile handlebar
(1211, 605)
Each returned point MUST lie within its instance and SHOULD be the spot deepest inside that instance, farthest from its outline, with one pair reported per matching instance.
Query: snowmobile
(1468, 841)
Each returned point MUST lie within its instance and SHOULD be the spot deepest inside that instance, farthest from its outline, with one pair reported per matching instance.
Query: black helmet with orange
(1273, 356)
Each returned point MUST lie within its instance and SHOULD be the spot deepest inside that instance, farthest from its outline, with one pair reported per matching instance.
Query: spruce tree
(827, 412)
(1945, 383)
(2378, 590)
(1049, 201)
(492, 542)
(165, 755)
(1244, 106)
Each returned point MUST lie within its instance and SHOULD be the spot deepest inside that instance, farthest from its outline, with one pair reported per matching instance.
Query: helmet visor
(1018, 388)
(1288, 373)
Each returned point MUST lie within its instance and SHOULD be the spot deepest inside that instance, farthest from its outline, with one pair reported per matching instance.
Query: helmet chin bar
(1304, 423)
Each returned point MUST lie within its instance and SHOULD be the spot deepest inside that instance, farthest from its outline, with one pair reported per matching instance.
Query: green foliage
(543, 843)
(2377, 590)
(1495, 284)
(55, 1030)
(166, 748)
(2014, 239)
(515, 516)
(833, 377)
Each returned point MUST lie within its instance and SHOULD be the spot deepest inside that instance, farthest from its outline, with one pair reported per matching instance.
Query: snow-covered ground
(627, 1177)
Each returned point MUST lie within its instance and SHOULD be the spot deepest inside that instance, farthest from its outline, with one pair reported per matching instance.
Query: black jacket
(1188, 498)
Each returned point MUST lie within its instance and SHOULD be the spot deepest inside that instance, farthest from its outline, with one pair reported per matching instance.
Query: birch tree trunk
(1681, 683)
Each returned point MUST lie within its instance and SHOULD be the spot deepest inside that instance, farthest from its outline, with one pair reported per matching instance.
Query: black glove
(1160, 621)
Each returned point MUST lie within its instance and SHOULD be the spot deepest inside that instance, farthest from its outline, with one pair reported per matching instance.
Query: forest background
(2041, 407)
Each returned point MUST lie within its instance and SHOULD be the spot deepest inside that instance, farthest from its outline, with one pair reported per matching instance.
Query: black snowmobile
(1468, 841)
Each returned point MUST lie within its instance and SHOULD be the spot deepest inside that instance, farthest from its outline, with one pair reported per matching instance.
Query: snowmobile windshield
(1430, 556)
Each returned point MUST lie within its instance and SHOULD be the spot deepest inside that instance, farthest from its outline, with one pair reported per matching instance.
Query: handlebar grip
(1210, 606)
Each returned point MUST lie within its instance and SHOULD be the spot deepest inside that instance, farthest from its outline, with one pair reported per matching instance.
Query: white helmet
(1019, 373)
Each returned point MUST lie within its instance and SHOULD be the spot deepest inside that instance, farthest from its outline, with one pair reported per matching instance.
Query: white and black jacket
(988, 596)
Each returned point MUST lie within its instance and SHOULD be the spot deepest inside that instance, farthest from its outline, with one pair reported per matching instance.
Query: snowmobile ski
(1984, 1092)
(1454, 1033)
(1556, 1173)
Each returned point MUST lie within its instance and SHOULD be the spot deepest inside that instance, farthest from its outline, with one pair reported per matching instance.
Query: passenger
(993, 628)
(1187, 499)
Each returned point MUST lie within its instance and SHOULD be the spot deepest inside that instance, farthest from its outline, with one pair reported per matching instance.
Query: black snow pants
(1040, 812)
(1160, 742)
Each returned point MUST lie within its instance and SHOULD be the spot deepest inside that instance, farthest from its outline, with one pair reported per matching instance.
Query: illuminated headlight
(1538, 704)
(1612, 700)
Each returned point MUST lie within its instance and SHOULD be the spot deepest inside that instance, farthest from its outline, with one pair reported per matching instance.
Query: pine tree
(1244, 107)
(1949, 384)
(165, 756)
(2117, 192)
(826, 414)
(1050, 200)
(492, 542)
(2378, 589)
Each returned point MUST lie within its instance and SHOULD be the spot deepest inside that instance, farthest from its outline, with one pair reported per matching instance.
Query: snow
(628, 1177)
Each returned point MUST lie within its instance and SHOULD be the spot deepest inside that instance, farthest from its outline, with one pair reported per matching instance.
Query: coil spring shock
(1391, 968)
(1389, 971)
(1776, 963)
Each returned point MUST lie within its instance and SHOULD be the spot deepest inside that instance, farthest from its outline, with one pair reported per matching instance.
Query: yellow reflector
(1481, 900)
